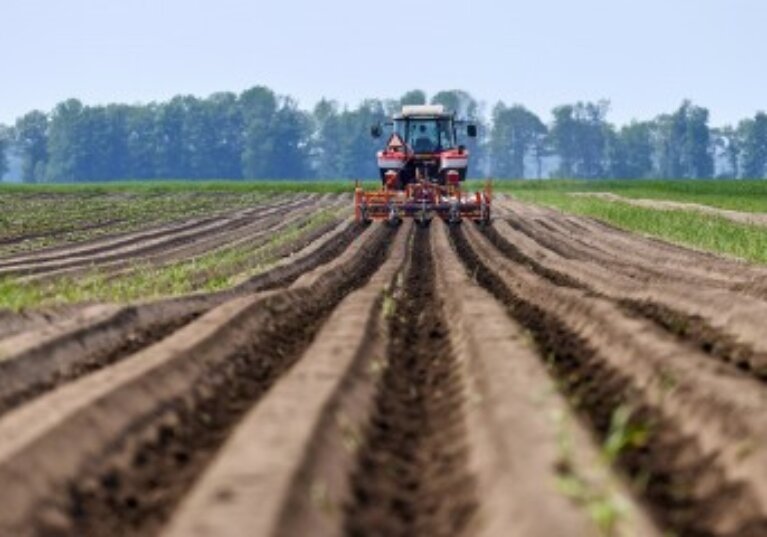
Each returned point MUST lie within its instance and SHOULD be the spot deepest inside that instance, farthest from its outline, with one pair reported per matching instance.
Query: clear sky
(643, 55)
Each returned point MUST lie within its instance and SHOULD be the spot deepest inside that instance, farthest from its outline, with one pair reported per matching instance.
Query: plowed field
(545, 375)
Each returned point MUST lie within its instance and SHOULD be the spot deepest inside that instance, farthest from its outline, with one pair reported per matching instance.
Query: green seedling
(603, 507)
(212, 271)
(625, 433)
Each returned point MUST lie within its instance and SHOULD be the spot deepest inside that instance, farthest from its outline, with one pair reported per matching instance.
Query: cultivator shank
(422, 201)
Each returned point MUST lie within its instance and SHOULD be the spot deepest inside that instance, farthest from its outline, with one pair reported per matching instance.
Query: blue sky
(643, 55)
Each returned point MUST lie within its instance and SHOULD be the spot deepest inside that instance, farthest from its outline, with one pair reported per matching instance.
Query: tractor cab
(426, 134)
(423, 144)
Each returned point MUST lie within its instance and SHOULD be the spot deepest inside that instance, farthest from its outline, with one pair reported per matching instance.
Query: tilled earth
(545, 375)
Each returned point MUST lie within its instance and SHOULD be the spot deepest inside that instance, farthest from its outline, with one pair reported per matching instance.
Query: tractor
(421, 169)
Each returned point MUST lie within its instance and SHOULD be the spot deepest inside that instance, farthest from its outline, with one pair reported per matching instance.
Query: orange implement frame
(423, 200)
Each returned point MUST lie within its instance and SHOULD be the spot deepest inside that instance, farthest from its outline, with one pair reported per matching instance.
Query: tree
(227, 127)
(198, 135)
(67, 143)
(291, 131)
(516, 132)
(5, 142)
(168, 136)
(462, 103)
(31, 138)
(684, 143)
(413, 97)
(753, 133)
(327, 139)
(141, 142)
(579, 135)
(258, 105)
(259, 134)
(88, 143)
(108, 149)
(727, 147)
(343, 145)
(630, 151)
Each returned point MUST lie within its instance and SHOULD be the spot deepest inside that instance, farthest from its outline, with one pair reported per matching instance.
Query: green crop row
(738, 195)
(689, 228)
(212, 271)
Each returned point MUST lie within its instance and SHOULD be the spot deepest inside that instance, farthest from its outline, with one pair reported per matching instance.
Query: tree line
(260, 134)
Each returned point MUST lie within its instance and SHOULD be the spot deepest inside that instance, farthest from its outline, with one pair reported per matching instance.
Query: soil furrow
(155, 420)
(137, 249)
(293, 481)
(58, 232)
(412, 476)
(690, 436)
(258, 231)
(113, 240)
(530, 453)
(100, 244)
(52, 359)
(585, 238)
(722, 323)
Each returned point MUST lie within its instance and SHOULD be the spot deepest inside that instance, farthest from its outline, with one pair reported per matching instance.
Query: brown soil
(546, 375)
(163, 245)
(303, 469)
(412, 474)
(690, 485)
(60, 354)
(208, 385)
(719, 318)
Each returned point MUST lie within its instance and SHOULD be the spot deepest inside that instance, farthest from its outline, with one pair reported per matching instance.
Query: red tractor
(422, 168)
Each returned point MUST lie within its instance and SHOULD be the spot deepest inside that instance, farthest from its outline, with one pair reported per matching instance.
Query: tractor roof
(423, 110)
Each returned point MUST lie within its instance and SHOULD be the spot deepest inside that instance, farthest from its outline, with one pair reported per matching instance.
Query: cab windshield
(426, 135)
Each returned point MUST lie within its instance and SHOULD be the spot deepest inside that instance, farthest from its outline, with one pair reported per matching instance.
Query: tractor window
(426, 135)
(446, 135)
(423, 136)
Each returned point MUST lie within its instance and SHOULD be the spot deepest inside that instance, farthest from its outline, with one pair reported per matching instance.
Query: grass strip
(688, 228)
(740, 195)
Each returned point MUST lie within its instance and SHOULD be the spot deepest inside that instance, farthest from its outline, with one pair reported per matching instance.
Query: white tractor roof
(423, 110)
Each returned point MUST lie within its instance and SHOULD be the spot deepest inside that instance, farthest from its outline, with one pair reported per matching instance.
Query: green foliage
(728, 147)
(344, 147)
(215, 270)
(684, 144)
(57, 214)
(603, 507)
(259, 134)
(516, 132)
(753, 134)
(579, 136)
(458, 101)
(625, 433)
(630, 151)
(413, 97)
(750, 196)
(32, 139)
(276, 133)
(5, 140)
